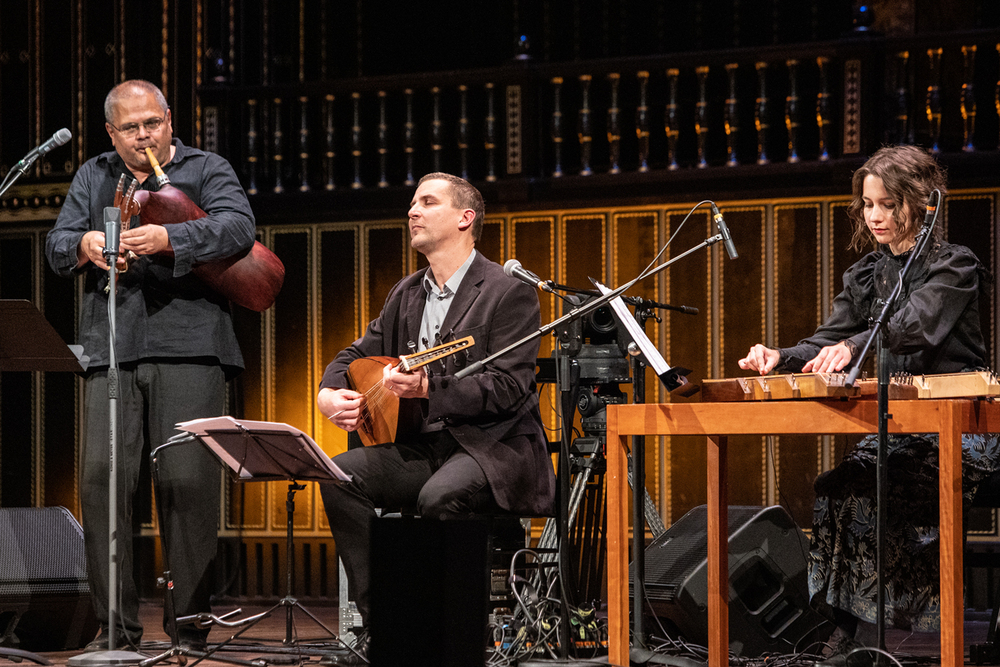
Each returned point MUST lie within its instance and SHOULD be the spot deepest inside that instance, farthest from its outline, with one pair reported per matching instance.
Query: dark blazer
(494, 413)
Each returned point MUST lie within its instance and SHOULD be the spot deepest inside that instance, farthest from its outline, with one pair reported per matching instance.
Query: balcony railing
(633, 120)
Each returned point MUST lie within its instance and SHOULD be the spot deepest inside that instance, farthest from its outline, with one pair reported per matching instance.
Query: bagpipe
(251, 279)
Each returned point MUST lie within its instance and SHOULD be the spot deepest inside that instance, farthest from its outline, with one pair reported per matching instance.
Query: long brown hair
(909, 175)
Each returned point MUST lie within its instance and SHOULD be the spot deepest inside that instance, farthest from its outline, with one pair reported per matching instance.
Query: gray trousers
(152, 398)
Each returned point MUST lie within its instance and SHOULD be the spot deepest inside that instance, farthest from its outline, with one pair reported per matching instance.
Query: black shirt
(164, 311)
(935, 327)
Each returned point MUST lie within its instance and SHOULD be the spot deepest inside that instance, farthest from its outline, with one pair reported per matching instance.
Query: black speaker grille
(768, 596)
(41, 551)
(676, 553)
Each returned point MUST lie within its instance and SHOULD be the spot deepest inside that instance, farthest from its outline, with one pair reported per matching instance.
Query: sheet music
(646, 347)
(308, 461)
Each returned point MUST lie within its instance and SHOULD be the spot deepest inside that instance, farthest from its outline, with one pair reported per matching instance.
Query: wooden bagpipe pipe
(251, 279)
(973, 384)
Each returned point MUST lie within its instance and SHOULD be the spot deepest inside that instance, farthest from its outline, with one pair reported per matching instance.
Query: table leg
(718, 553)
(950, 489)
(617, 504)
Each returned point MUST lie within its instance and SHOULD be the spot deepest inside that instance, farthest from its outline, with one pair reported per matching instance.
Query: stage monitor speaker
(429, 592)
(45, 602)
(768, 596)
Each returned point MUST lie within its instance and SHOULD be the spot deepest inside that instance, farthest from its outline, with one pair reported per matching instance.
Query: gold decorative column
(383, 141)
(732, 118)
(329, 181)
(642, 122)
(671, 124)
(968, 98)
(760, 114)
(933, 105)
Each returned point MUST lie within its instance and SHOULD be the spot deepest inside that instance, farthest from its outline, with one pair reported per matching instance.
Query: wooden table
(950, 418)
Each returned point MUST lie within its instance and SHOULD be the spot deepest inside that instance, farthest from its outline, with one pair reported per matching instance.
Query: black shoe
(122, 642)
(99, 644)
(193, 643)
(848, 652)
(356, 655)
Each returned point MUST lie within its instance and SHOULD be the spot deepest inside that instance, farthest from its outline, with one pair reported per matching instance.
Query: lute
(380, 409)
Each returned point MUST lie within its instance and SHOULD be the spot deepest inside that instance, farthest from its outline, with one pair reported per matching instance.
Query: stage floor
(909, 648)
(265, 637)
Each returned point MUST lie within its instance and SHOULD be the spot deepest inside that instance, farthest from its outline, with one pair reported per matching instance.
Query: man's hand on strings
(341, 406)
(405, 385)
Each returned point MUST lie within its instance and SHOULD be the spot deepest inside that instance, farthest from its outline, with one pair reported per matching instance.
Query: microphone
(933, 201)
(514, 269)
(727, 238)
(57, 139)
(112, 230)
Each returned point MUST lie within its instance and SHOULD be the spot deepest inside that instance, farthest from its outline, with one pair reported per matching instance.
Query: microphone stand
(636, 301)
(567, 377)
(580, 311)
(643, 311)
(111, 657)
(22, 167)
(12, 176)
(882, 459)
(564, 373)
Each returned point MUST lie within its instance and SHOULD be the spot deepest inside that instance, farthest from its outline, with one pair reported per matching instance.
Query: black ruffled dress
(935, 329)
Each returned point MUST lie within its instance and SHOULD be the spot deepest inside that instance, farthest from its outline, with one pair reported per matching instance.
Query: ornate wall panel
(583, 244)
(386, 253)
(741, 324)
(532, 242)
(295, 391)
(798, 245)
(634, 244)
(246, 503)
(491, 243)
(689, 285)
(338, 296)
(958, 216)
(581, 251)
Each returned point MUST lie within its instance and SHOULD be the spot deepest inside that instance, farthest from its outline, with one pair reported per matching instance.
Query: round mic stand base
(105, 659)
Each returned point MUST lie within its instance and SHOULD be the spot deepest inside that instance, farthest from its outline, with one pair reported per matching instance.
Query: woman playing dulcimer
(934, 329)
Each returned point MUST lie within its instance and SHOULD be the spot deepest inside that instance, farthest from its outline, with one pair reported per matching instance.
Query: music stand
(256, 451)
(29, 343)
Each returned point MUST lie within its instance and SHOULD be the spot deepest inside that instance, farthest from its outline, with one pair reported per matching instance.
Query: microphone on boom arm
(727, 238)
(514, 269)
(57, 139)
(21, 168)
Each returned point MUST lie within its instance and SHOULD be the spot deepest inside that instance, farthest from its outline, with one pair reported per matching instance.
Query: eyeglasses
(129, 130)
